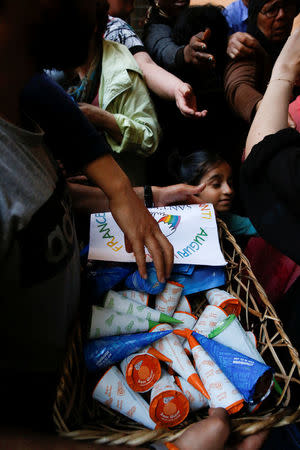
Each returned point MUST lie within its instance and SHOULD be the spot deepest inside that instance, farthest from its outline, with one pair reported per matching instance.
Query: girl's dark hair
(191, 168)
(194, 19)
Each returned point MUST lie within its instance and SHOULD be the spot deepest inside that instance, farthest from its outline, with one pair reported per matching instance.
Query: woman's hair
(101, 18)
(196, 19)
(191, 168)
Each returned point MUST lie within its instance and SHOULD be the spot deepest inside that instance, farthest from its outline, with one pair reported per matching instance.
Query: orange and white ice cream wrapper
(207, 321)
(234, 336)
(113, 391)
(224, 300)
(167, 301)
(137, 296)
(196, 399)
(223, 394)
(171, 347)
(141, 371)
(252, 338)
(184, 305)
(188, 321)
(168, 404)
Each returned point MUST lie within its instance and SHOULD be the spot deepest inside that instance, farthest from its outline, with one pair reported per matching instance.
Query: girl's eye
(216, 185)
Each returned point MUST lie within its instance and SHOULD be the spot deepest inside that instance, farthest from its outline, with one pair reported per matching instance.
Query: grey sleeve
(161, 47)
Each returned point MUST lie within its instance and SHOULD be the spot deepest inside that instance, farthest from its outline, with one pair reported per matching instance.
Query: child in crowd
(211, 169)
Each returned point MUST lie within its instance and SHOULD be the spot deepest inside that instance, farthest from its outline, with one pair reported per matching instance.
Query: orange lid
(169, 408)
(231, 306)
(235, 407)
(142, 372)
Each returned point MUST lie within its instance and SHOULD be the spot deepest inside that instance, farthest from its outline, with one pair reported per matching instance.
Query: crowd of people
(95, 118)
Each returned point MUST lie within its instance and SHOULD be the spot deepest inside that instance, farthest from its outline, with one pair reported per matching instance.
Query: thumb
(207, 34)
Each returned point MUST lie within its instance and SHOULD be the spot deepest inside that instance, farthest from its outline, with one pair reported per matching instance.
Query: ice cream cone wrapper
(124, 305)
(209, 319)
(103, 352)
(231, 333)
(167, 301)
(252, 378)
(224, 300)
(140, 297)
(184, 305)
(168, 404)
(188, 321)
(106, 322)
(223, 394)
(252, 338)
(158, 355)
(196, 399)
(112, 391)
(171, 347)
(141, 371)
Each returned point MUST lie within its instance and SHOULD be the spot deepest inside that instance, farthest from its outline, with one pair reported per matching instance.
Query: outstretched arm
(168, 86)
(270, 119)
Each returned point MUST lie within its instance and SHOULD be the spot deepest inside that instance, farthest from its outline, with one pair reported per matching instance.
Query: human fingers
(253, 442)
(209, 434)
(137, 247)
(157, 254)
(128, 245)
(168, 253)
(204, 35)
(204, 58)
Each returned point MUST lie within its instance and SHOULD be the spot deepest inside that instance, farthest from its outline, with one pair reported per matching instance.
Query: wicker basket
(78, 416)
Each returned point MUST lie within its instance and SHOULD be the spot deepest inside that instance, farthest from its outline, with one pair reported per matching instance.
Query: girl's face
(218, 190)
(173, 7)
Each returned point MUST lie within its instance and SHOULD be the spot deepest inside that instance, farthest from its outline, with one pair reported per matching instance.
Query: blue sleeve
(68, 133)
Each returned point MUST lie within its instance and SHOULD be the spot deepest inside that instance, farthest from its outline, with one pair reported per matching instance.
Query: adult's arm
(135, 115)
(270, 119)
(139, 228)
(168, 86)
(161, 47)
(240, 87)
(270, 175)
(68, 132)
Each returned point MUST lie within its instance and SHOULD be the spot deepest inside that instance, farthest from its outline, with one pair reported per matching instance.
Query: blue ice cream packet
(202, 278)
(104, 277)
(151, 285)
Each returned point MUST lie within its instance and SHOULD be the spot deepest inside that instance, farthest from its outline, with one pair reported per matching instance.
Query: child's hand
(177, 194)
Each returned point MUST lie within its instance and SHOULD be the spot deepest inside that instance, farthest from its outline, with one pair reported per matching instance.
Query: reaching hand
(177, 193)
(242, 45)
(141, 230)
(91, 112)
(195, 51)
(186, 101)
(212, 434)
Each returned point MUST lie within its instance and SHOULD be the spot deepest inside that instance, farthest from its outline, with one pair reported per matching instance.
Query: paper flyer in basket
(191, 229)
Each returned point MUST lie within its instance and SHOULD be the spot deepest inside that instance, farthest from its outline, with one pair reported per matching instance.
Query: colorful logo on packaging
(168, 224)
